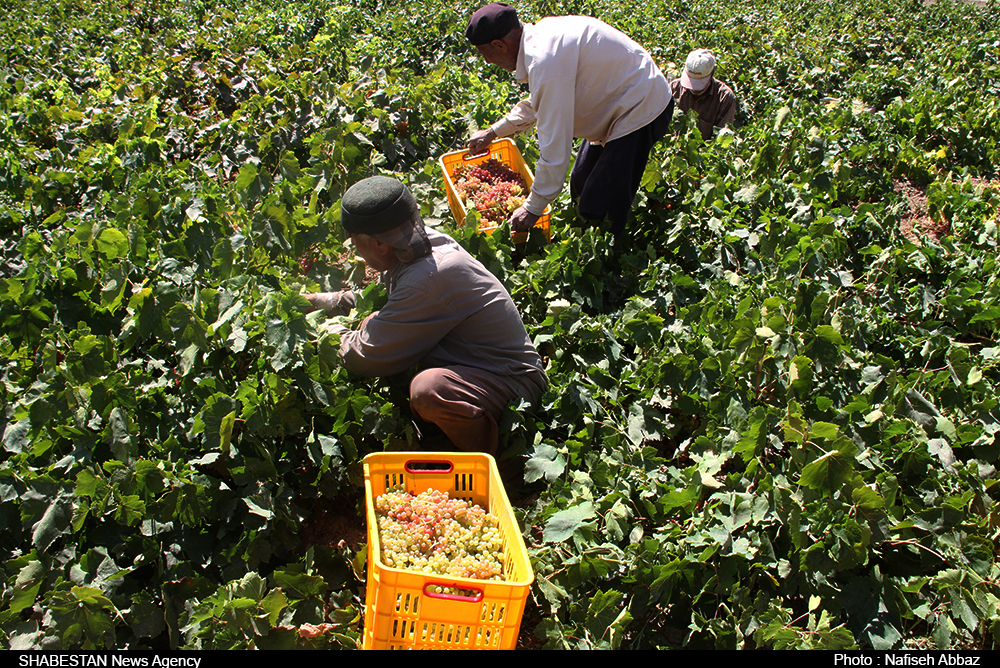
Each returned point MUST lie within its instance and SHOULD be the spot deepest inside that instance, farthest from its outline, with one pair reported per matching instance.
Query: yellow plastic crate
(400, 611)
(504, 151)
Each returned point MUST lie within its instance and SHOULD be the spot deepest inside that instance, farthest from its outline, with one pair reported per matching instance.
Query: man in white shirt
(586, 80)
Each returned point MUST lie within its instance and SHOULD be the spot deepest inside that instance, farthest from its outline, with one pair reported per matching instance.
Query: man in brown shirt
(698, 89)
(447, 315)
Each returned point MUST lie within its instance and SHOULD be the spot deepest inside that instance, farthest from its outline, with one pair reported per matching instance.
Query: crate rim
(544, 222)
(471, 583)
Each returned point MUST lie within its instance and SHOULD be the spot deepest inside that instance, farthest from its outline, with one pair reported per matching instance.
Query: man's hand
(522, 220)
(480, 142)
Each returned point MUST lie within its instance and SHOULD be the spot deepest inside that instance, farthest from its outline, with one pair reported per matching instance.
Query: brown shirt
(716, 107)
(444, 309)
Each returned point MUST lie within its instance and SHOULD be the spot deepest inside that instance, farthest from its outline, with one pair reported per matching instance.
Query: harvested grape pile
(431, 532)
(495, 189)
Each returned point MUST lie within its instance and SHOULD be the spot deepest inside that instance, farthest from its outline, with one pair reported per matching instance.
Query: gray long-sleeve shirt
(444, 309)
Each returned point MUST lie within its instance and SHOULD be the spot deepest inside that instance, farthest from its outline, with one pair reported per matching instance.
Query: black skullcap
(491, 22)
(377, 204)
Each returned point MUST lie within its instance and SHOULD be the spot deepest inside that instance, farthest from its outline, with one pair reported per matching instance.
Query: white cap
(698, 70)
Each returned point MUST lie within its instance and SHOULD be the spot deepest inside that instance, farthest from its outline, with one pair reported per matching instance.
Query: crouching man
(447, 315)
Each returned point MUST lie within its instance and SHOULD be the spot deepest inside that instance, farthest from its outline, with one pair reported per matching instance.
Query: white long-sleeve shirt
(587, 80)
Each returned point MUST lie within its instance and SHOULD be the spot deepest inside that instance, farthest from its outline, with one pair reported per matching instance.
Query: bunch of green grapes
(431, 532)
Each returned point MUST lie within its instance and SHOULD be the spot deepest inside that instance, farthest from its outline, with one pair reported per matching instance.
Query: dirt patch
(977, 3)
(346, 258)
(532, 617)
(333, 521)
(917, 222)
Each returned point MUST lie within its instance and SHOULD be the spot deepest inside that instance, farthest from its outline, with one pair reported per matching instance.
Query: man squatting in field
(585, 79)
(446, 314)
(697, 88)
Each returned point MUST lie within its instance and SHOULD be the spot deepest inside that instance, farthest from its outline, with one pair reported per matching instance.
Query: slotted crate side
(504, 151)
(400, 612)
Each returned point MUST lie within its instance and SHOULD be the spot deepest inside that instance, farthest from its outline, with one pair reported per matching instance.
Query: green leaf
(26, 586)
(112, 244)
(961, 608)
(226, 431)
(246, 180)
(828, 473)
(260, 504)
(273, 604)
(916, 407)
(681, 498)
(85, 616)
(616, 520)
(800, 374)
(146, 619)
(131, 510)
(565, 523)
(867, 498)
(603, 615)
(16, 436)
(644, 423)
(546, 462)
(300, 585)
(939, 448)
(118, 433)
(55, 522)
(946, 428)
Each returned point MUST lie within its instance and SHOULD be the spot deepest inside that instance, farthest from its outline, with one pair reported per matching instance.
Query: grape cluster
(431, 532)
(308, 259)
(306, 262)
(495, 189)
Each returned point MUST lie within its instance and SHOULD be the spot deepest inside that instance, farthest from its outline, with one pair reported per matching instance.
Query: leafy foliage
(773, 420)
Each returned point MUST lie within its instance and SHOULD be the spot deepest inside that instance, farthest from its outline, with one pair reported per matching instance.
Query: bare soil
(334, 521)
(977, 3)
(346, 257)
(918, 223)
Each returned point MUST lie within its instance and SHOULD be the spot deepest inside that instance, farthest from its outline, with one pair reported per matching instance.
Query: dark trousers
(606, 178)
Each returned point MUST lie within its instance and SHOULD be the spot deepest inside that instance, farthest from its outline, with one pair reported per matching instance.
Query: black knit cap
(376, 205)
(491, 22)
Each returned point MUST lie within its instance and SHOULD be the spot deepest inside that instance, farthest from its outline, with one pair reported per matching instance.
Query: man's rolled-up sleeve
(398, 336)
(520, 118)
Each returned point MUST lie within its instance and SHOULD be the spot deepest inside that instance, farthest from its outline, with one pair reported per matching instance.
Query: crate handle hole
(469, 156)
(452, 593)
(429, 466)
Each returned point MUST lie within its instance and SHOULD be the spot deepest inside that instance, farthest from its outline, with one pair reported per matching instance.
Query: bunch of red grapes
(433, 533)
(308, 259)
(495, 189)
(306, 262)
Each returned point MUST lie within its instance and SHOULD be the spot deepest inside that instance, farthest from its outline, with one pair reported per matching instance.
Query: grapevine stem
(923, 547)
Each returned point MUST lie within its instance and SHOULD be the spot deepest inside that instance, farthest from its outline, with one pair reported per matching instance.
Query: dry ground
(917, 223)
(977, 3)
